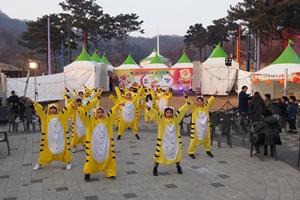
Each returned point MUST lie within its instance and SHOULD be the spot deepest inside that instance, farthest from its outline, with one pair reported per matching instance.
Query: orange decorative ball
(256, 80)
(281, 81)
(268, 82)
(295, 80)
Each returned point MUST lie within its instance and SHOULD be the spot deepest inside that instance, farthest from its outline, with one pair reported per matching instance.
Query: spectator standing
(243, 105)
(292, 109)
(269, 103)
(14, 101)
(111, 84)
(116, 81)
(257, 105)
(280, 109)
(285, 101)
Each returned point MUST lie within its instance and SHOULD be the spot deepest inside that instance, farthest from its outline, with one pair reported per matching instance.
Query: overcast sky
(168, 16)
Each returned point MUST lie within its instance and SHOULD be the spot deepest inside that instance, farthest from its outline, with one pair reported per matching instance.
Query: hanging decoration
(295, 80)
(281, 81)
(268, 82)
(256, 80)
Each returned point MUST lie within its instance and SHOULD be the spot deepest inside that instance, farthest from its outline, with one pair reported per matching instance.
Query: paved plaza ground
(230, 174)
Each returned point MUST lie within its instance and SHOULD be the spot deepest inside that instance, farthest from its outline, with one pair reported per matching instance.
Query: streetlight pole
(69, 45)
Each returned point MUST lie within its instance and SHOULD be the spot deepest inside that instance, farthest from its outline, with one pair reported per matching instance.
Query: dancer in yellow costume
(129, 112)
(100, 151)
(163, 100)
(78, 128)
(169, 142)
(149, 102)
(200, 125)
(55, 144)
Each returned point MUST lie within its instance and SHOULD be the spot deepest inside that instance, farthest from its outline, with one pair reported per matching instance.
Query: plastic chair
(214, 120)
(4, 115)
(12, 116)
(270, 135)
(29, 116)
(225, 129)
(5, 139)
(188, 124)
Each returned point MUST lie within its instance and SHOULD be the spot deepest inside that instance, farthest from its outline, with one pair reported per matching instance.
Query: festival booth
(128, 73)
(216, 75)
(110, 68)
(271, 78)
(84, 71)
(147, 60)
(182, 72)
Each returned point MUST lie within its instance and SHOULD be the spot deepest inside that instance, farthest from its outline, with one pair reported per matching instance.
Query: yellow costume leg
(206, 143)
(146, 115)
(134, 126)
(111, 169)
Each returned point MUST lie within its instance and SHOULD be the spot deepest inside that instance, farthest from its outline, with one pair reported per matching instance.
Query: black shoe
(179, 171)
(137, 136)
(112, 178)
(117, 128)
(192, 156)
(155, 173)
(87, 177)
(256, 154)
(128, 128)
(208, 153)
(294, 131)
(119, 137)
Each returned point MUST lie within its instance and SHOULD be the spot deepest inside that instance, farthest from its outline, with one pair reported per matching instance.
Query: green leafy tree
(36, 37)
(197, 36)
(124, 25)
(88, 20)
(270, 18)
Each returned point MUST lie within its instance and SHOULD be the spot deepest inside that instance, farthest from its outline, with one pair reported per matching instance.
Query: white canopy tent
(216, 75)
(156, 63)
(275, 72)
(129, 63)
(83, 71)
(148, 60)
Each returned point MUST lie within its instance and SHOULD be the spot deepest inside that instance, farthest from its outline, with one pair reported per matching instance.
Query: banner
(156, 78)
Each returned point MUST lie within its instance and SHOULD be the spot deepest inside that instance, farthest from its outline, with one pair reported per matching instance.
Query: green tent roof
(184, 59)
(287, 56)
(96, 58)
(156, 60)
(104, 60)
(84, 56)
(218, 53)
(129, 60)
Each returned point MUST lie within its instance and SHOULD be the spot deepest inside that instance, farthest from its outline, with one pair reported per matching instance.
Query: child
(200, 125)
(129, 112)
(100, 152)
(78, 128)
(292, 109)
(55, 144)
(169, 143)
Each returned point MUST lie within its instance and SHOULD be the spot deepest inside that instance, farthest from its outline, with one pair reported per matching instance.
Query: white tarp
(244, 78)
(80, 73)
(48, 87)
(183, 65)
(217, 76)
(128, 66)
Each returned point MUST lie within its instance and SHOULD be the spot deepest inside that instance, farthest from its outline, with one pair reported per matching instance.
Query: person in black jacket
(243, 100)
(280, 109)
(292, 109)
(259, 136)
(257, 105)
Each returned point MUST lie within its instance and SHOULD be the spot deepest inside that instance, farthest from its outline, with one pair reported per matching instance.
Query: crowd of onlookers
(264, 113)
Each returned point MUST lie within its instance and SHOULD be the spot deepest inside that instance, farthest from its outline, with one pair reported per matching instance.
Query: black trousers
(260, 140)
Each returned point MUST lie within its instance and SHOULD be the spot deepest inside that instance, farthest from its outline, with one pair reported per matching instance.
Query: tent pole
(157, 42)
(285, 82)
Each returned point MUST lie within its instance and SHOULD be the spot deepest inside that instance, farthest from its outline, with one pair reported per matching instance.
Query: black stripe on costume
(178, 112)
(192, 128)
(114, 157)
(68, 138)
(69, 149)
(113, 151)
(42, 139)
(43, 133)
(62, 112)
(192, 137)
(179, 136)
(87, 154)
(87, 142)
(87, 161)
(42, 145)
(158, 145)
(112, 139)
(41, 149)
(66, 108)
(156, 155)
(112, 145)
(86, 147)
(192, 123)
(158, 139)
(85, 113)
(68, 143)
(157, 150)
